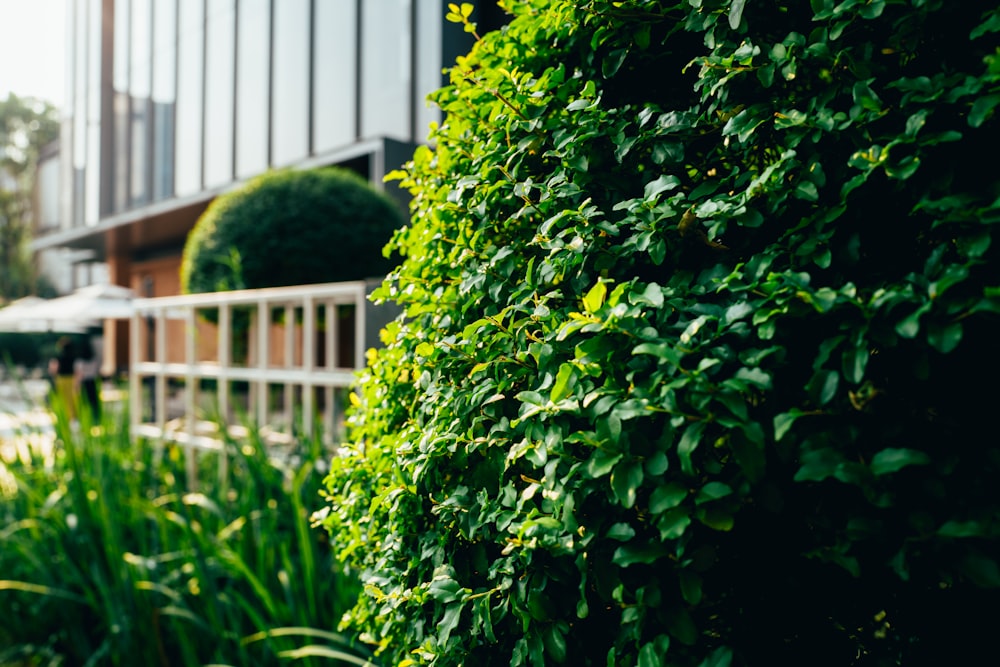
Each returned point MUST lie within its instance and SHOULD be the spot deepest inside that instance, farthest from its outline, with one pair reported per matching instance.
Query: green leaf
(716, 518)
(673, 523)
(971, 528)
(651, 296)
(754, 376)
(982, 109)
(736, 13)
(601, 462)
(625, 482)
(823, 386)
(983, 571)
(681, 625)
(621, 531)
(449, 621)
(612, 62)
(946, 338)
(650, 656)
(720, 657)
(909, 326)
(817, 465)
(665, 351)
(555, 643)
(855, 361)
(712, 491)
(689, 442)
(690, 583)
(890, 460)
(565, 380)
(657, 464)
(594, 299)
(632, 553)
(666, 496)
(664, 183)
(784, 421)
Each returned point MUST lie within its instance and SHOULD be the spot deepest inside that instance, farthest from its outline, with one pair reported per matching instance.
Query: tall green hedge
(699, 359)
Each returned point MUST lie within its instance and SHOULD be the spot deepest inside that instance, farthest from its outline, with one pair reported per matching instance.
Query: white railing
(309, 325)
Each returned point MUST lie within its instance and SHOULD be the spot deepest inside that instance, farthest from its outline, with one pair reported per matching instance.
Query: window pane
(93, 183)
(290, 124)
(385, 69)
(164, 96)
(253, 63)
(220, 60)
(140, 80)
(334, 79)
(428, 65)
(190, 51)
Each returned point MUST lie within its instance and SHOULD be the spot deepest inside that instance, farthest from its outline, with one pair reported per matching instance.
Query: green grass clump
(108, 556)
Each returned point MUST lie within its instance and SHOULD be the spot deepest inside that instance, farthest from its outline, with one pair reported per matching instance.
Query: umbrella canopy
(15, 312)
(84, 307)
(21, 316)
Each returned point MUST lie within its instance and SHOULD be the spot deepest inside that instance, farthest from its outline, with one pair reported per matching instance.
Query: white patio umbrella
(85, 307)
(13, 314)
(22, 316)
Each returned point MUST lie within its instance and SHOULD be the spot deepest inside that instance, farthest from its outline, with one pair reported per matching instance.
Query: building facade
(171, 102)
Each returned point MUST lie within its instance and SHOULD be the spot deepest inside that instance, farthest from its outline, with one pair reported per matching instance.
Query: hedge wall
(699, 355)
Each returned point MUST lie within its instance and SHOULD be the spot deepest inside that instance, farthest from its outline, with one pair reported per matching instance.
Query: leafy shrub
(290, 227)
(698, 357)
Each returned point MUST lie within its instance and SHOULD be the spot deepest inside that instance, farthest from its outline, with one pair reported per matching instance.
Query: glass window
(190, 63)
(93, 177)
(120, 80)
(428, 66)
(164, 96)
(80, 94)
(290, 83)
(335, 75)
(220, 59)
(385, 69)
(140, 84)
(252, 86)
(68, 111)
(92, 183)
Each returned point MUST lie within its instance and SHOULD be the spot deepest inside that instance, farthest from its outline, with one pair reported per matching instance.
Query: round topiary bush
(698, 362)
(290, 227)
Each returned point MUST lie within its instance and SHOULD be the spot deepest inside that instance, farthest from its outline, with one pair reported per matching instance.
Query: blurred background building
(171, 102)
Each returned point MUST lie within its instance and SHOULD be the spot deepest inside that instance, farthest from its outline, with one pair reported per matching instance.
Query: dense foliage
(698, 358)
(290, 227)
(110, 557)
(26, 125)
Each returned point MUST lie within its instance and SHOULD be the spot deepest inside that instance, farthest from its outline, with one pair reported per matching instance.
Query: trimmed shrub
(290, 227)
(698, 357)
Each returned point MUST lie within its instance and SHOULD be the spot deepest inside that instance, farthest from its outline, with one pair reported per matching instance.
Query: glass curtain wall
(204, 92)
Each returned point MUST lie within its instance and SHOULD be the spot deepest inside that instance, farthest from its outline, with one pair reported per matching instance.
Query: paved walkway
(26, 430)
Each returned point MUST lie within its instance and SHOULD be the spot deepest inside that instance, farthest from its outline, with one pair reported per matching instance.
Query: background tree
(26, 125)
(698, 360)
